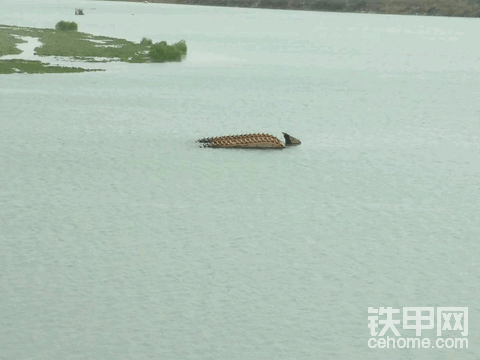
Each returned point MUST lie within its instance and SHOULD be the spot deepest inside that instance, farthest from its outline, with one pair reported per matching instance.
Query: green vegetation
(162, 52)
(78, 44)
(8, 44)
(86, 47)
(146, 41)
(66, 26)
(36, 67)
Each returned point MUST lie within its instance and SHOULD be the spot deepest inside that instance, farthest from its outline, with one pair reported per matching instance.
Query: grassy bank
(36, 67)
(8, 43)
(461, 8)
(79, 46)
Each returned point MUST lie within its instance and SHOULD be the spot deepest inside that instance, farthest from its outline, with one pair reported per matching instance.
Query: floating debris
(249, 141)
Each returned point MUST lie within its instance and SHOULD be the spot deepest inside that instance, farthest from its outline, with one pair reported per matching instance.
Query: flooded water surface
(120, 238)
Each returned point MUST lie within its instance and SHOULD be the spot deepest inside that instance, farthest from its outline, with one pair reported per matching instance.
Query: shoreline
(455, 8)
(38, 50)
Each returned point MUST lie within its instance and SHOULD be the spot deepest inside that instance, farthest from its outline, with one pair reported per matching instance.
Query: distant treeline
(463, 8)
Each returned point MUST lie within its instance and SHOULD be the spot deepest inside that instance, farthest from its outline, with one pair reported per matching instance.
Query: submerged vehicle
(249, 141)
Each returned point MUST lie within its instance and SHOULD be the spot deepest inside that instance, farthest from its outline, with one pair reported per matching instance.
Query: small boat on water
(249, 141)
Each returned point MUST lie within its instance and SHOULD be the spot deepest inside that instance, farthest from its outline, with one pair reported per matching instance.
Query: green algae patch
(36, 67)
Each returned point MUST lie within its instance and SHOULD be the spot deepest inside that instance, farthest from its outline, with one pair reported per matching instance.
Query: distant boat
(249, 141)
(79, 12)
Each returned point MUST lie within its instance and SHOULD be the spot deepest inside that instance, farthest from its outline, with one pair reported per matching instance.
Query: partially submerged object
(249, 141)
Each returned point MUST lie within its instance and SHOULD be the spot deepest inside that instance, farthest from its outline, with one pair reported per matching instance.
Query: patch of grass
(8, 43)
(60, 43)
(36, 67)
(66, 26)
(73, 44)
(78, 44)
(85, 47)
